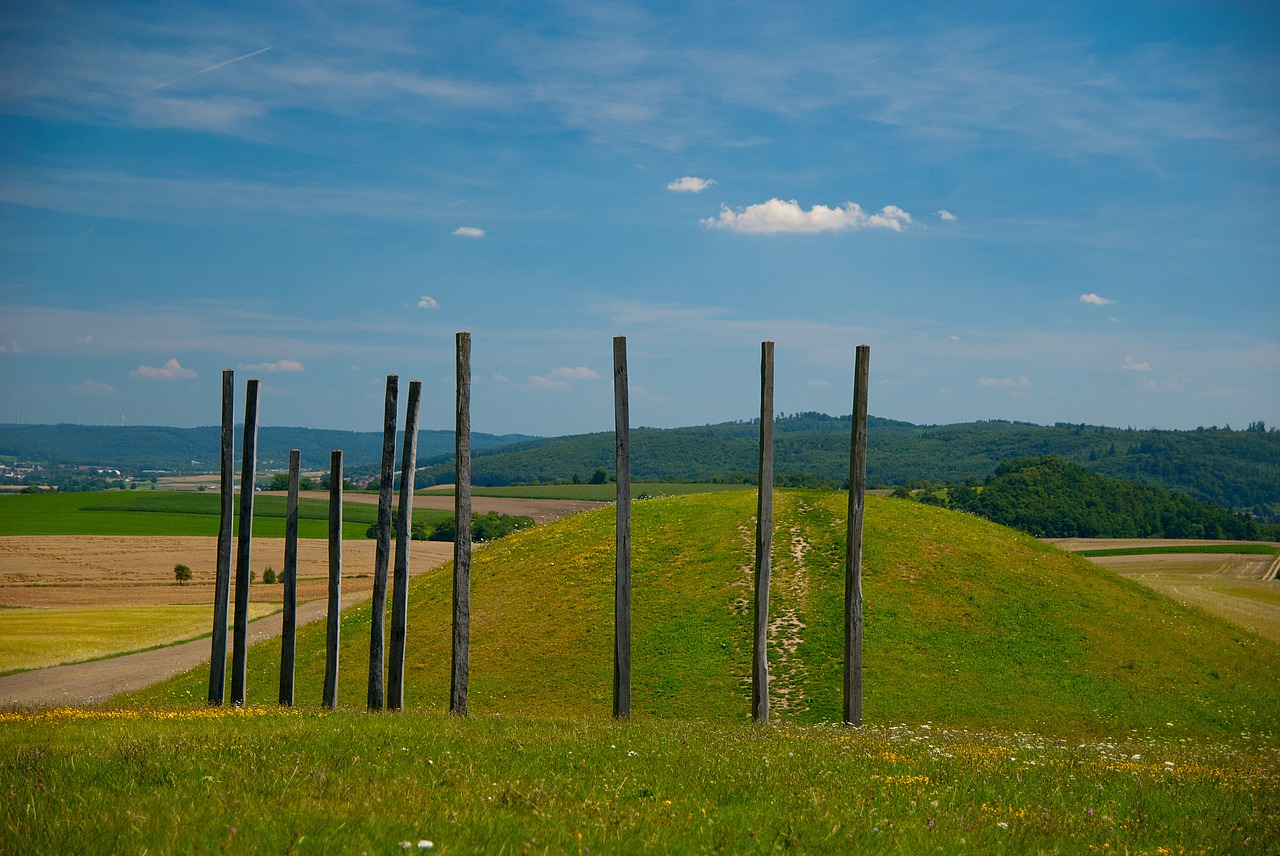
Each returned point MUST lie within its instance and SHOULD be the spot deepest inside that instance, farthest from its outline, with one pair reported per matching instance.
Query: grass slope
(967, 623)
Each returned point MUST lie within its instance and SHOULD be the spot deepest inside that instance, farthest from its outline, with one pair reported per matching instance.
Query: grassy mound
(968, 624)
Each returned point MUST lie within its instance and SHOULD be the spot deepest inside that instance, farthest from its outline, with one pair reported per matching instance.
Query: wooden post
(382, 557)
(248, 481)
(462, 533)
(289, 628)
(222, 578)
(764, 542)
(853, 553)
(400, 576)
(622, 555)
(335, 581)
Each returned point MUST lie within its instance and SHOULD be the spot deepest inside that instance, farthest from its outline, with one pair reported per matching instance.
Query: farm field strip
(35, 638)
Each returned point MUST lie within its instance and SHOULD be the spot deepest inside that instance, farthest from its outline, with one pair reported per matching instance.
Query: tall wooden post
(222, 578)
(400, 575)
(462, 533)
(289, 626)
(382, 555)
(764, 542)
(335, 581)
(248, 481)
(622, 541)
(853, 553)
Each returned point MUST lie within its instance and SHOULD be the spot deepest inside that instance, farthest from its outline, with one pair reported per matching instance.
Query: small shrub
(269, 576)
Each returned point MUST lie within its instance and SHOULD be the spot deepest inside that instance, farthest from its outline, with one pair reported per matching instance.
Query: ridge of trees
(1049, 497)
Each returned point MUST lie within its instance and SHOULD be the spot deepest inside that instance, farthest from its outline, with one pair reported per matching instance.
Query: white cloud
(501, 378)
(92, 388)
(1004, 383)
(85, 340)
(559, 378)
(819, 384)
(425, 302)
(278, 366)
(1132, 365)
(946, 215)
(690, 184)
(171, 370)
(546, 382)
(579, 373)
(777, 216)
(469, 232)
(1095, 299)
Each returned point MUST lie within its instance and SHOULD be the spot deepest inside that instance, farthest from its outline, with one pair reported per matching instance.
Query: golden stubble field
(1239, 587)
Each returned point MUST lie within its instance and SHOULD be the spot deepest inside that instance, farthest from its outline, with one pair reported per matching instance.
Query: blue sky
(1048, 214)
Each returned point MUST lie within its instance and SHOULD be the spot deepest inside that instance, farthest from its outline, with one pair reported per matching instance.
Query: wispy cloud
(559, 378)
(1004, 383)
(278, 366)
(469, 232)
(689, 184)
(172, 370)
(1095, 299)
(946, 215)
(426, 302)
(776, 216)
(91, 388)
(1132, 365)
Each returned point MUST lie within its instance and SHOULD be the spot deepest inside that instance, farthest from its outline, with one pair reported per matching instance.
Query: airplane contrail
(209, 69)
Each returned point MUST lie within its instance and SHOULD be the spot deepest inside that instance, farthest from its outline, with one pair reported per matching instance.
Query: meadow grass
(35, 638)
(175, 513)
(271, 780)
(592, 492)
(1018, 699)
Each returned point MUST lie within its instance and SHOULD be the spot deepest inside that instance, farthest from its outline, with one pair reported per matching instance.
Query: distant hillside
(968, 625)
(1232, 469)
(1052, 498)
(134, 448)
(1237, 470)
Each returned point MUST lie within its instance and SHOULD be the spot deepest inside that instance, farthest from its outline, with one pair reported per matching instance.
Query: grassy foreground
(263, 780)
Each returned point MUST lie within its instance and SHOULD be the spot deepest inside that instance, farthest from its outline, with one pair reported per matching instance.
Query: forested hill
(1052, 498)
(137, 447)
(1235, 469)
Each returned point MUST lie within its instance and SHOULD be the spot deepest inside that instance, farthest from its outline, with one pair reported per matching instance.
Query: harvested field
(100, 570)
(1238, 587)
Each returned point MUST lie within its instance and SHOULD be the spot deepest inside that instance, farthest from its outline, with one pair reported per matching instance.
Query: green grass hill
(968, 625)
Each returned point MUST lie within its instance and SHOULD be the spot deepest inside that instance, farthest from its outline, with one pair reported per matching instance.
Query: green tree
(181, 573)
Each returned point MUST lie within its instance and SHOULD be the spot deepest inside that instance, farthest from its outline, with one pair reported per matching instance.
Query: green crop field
(1242, 549)
(1018, 699)
(593, 492)
(174, 513)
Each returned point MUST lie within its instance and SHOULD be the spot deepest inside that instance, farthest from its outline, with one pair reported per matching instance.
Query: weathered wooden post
(377, 626)
(335, 581)
(248, 480)
(400, 575)
(622, 540)
(222, 578)
(764, 542)
(853, 550)
(462, 533)
(289, 625)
